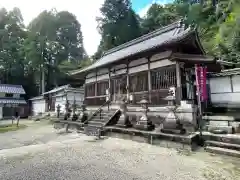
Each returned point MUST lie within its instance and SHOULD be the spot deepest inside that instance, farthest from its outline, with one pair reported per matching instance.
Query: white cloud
(144, 10)
(85, 10)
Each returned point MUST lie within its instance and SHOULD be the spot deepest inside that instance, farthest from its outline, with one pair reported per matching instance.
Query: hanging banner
(201, 78)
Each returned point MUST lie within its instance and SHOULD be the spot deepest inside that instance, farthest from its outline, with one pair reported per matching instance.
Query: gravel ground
(78, 157)
(35, 133)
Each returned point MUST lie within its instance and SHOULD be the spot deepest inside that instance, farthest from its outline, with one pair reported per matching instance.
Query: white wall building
(225, 88)
(49, 101)
(11, 100)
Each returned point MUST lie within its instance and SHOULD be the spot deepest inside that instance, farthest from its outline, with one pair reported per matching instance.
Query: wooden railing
(155, 97)
(95, 101)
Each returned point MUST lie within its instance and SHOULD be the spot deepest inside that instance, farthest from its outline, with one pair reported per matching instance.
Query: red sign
(201, 77)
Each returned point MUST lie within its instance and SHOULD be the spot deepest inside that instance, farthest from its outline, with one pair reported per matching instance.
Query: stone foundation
(181, 142)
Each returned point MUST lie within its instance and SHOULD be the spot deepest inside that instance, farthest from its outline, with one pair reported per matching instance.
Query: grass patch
(11, 127)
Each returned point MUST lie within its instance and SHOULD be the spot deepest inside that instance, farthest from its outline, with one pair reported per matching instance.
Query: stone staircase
(223, 144)
(96, 123)
(221, 134)
(220, 124)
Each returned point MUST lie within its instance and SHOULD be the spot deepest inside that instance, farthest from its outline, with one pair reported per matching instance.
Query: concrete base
(144, 125)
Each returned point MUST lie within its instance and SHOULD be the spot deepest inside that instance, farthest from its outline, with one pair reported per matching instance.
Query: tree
(29, 56)
(58, 37)
(158, 16)
(69, 36)
(118, 24)
(12, 35)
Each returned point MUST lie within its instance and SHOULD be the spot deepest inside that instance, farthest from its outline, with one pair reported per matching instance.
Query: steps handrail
(98, 110)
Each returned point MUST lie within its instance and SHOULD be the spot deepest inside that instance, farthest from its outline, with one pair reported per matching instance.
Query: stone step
(219, 118)
(225, 129)
(99, 120)
(92, 130)
(224, 151)
(96, 123)
(229, 138)
(223, 145)
(102, 118)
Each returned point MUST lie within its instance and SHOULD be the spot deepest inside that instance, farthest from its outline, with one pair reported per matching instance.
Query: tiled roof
(36, 98)
(10, 88)
(57, 89)
(169, 34)
(12, 101)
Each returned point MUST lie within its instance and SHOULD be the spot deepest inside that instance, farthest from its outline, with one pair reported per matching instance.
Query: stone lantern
(58, 110)
(74, 107)
(172, 123)
(144, 122)
(67, 110)
(124, 119)
(83, 114)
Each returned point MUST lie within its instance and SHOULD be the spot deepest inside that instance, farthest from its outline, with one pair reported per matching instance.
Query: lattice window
(102, 87)
(119, 85)
(163, 78)
(90, 90)
(139, 82)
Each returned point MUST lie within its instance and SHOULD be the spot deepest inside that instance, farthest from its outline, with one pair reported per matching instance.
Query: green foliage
(228, 36)
(158, 16)
(12, 127)
(117, 25)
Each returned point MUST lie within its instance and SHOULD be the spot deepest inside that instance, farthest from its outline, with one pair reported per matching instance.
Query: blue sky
(138, 5)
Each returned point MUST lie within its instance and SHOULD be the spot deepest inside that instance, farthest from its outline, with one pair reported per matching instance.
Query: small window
(9, 95)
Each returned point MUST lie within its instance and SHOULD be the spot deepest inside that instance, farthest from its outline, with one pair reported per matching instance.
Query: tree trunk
(43, 80)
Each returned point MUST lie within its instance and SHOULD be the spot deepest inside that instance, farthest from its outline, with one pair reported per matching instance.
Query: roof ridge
(66, 85)
(11, 85)
(176, 24)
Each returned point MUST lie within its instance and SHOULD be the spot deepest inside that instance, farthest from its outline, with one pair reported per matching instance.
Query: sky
(86, 12)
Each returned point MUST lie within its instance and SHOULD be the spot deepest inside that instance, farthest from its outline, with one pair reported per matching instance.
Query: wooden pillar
(85, 91)
(179, 83)
(128, 85)
(149, 81)
(109, 83)
(96, 85)
(95, 100)
(231, 83)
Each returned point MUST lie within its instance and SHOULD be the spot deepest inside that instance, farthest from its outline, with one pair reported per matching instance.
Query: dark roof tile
(13, 89)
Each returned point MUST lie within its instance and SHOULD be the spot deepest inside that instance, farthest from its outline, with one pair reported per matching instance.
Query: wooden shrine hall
(147, 66)
(141, 72)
